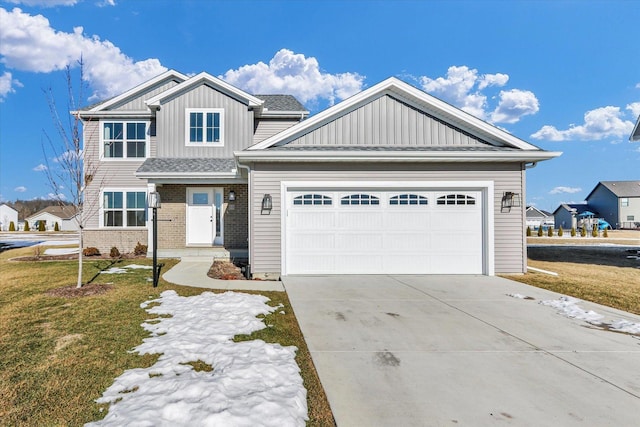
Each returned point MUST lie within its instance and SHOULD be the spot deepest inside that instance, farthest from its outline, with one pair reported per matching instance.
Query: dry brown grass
(616, 237)
(601, 275)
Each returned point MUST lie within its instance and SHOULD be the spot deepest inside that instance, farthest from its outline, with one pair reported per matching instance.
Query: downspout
(530, 165)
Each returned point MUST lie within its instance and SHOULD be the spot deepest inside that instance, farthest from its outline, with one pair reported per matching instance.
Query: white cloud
(104, 3)
(41, 167)
(569, 190)
(67, 157)
(463, 87)
(20, 189)
(44, 3)
(295, 74)
(601, 123)
(7, 85)
(53, 196)
(634, 107)
(29, 43)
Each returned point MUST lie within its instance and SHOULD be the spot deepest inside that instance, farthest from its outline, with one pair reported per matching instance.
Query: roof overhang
(123, 114)
(524, 156)
(635, 135)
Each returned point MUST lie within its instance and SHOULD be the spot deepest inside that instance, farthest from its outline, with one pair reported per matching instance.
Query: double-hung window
(204, 127)
(124, 208)
(123, 140)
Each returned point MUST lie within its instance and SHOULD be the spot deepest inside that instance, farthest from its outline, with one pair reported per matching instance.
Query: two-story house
(391, 180)
(618, 202)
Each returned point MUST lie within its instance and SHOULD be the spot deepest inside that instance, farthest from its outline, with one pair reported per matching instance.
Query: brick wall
(105, 239)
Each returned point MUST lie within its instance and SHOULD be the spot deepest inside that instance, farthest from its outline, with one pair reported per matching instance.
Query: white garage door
(384, 232)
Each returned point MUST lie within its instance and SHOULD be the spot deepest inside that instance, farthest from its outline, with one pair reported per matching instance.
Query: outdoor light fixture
(267, 203)
(232, 196)
(154, 200)
(154, 203)
(510, 200)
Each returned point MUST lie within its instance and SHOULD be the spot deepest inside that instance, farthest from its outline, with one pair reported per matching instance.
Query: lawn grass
(57, 355)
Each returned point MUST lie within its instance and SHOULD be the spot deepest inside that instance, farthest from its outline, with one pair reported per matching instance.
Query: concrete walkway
(192, 271)
(457, 350)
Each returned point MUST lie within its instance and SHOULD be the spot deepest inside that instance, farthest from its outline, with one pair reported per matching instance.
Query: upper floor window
(624, 202)
(124, 139)
(204, 126)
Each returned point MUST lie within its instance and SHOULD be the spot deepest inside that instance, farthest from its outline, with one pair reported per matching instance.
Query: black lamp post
(154, 203)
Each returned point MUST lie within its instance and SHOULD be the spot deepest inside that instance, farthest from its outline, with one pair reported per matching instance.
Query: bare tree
(70, 171)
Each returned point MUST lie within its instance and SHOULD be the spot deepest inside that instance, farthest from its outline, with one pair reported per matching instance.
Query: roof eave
(113, 114)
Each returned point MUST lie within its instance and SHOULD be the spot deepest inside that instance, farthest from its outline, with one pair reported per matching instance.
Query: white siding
(266, 178)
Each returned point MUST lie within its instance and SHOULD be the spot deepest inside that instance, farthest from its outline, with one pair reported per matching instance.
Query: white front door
(204, 216)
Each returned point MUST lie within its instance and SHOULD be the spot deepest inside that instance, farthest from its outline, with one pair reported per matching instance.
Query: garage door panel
(408, 241)
(356, 264)
(312, 220)
(408, 219)
(366, 218)
(363, 242)
(313, 241)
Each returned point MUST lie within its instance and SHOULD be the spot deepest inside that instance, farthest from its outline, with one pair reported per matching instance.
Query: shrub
(594, 231)
(605, 233)
(550, 232)
(573, 232)
(56, 227)
(528, 231)
(539, 231)
(26, 226)
(560, 232)
(114, 252)
(90, 251)
(12, 226)
(41, 226)
(583, 232)
(140, 249)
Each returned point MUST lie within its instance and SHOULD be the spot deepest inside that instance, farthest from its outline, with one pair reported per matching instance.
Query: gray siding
(386, 121)
(605, 203)
(269, 127)
(510, 246)
(238, 124)
(137, 104)
(563, 219)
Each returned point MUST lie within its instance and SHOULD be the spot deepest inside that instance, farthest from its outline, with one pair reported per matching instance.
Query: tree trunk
(79, 285)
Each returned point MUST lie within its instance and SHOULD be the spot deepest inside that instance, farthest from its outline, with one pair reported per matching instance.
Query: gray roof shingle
(622, 188)
(281, 103)
(179, 165)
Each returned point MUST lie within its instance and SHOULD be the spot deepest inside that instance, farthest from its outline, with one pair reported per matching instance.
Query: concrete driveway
(456, 350)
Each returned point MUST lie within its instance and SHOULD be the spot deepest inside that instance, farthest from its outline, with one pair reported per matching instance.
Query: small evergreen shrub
(583, 232)
(528, 231)
(560, 232)
(550, 232)
(41, 226)
(573, 232)
(114, 252)
(605, 233)
(594, 231)
(140, 249)
(56, 227)
(540, 232)
(12, 226)
(26, 226)
(90, 251)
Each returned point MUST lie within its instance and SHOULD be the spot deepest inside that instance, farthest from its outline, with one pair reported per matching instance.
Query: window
(456, 199)
(204, 127)
(408, 199)
(630, 217)
(124, 208)
(360, 199)
(624, 202)
(124, 139)
(312, 199)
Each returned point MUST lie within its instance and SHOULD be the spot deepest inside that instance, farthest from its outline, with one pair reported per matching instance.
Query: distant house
(566, 215)
(537, 217)
(617, 202)
(7, 216)
(65, 216)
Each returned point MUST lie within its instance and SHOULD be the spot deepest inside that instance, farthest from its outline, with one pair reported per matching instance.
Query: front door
(204, 219)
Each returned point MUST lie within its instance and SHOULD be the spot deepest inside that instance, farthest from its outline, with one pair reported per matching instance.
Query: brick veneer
(105, 239)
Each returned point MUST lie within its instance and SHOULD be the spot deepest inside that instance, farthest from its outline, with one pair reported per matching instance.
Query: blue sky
(562, 75)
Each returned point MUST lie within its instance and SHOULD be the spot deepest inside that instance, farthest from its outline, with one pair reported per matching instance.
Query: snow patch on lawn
(61, 251)
(252, 383)
(122, 270)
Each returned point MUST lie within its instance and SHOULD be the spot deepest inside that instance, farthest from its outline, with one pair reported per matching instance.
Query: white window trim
(124, 207)
(124, 158)
(187, 124)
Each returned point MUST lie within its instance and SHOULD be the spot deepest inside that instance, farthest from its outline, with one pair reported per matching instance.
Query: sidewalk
(192, 271)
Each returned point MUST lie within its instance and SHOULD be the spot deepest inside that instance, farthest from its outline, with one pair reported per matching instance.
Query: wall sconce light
(232, 196)
(154, 200)
(267, 203)
(510, 200)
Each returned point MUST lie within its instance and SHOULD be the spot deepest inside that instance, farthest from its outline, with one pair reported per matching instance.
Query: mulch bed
(72, 257)
(225, 270)
(85, 291)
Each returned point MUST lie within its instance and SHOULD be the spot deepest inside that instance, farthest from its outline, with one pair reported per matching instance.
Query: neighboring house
(566, 215)
(617, 202)
(538, 218)
(64, 216)
(7, 216)
(391, 180)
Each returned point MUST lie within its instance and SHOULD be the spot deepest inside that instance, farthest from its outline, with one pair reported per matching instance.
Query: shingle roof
(281, 103)
(622, 188)
(63, 212)
(454, 148)
(180, 165)
(579, 207)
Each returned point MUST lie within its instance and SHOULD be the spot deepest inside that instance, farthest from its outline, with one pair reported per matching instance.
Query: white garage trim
(485, 187)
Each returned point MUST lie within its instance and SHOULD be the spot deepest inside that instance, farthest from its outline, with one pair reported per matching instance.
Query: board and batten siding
(387, 121)
(266, 128)
(170, 124)
(137, 104)
(509, 240)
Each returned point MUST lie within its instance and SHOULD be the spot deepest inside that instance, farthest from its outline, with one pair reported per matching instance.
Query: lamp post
(154, 203)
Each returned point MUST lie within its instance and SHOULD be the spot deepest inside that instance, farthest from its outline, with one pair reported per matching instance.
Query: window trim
(124, 209)
(624, 202)
(187, 127)
(124, 158)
